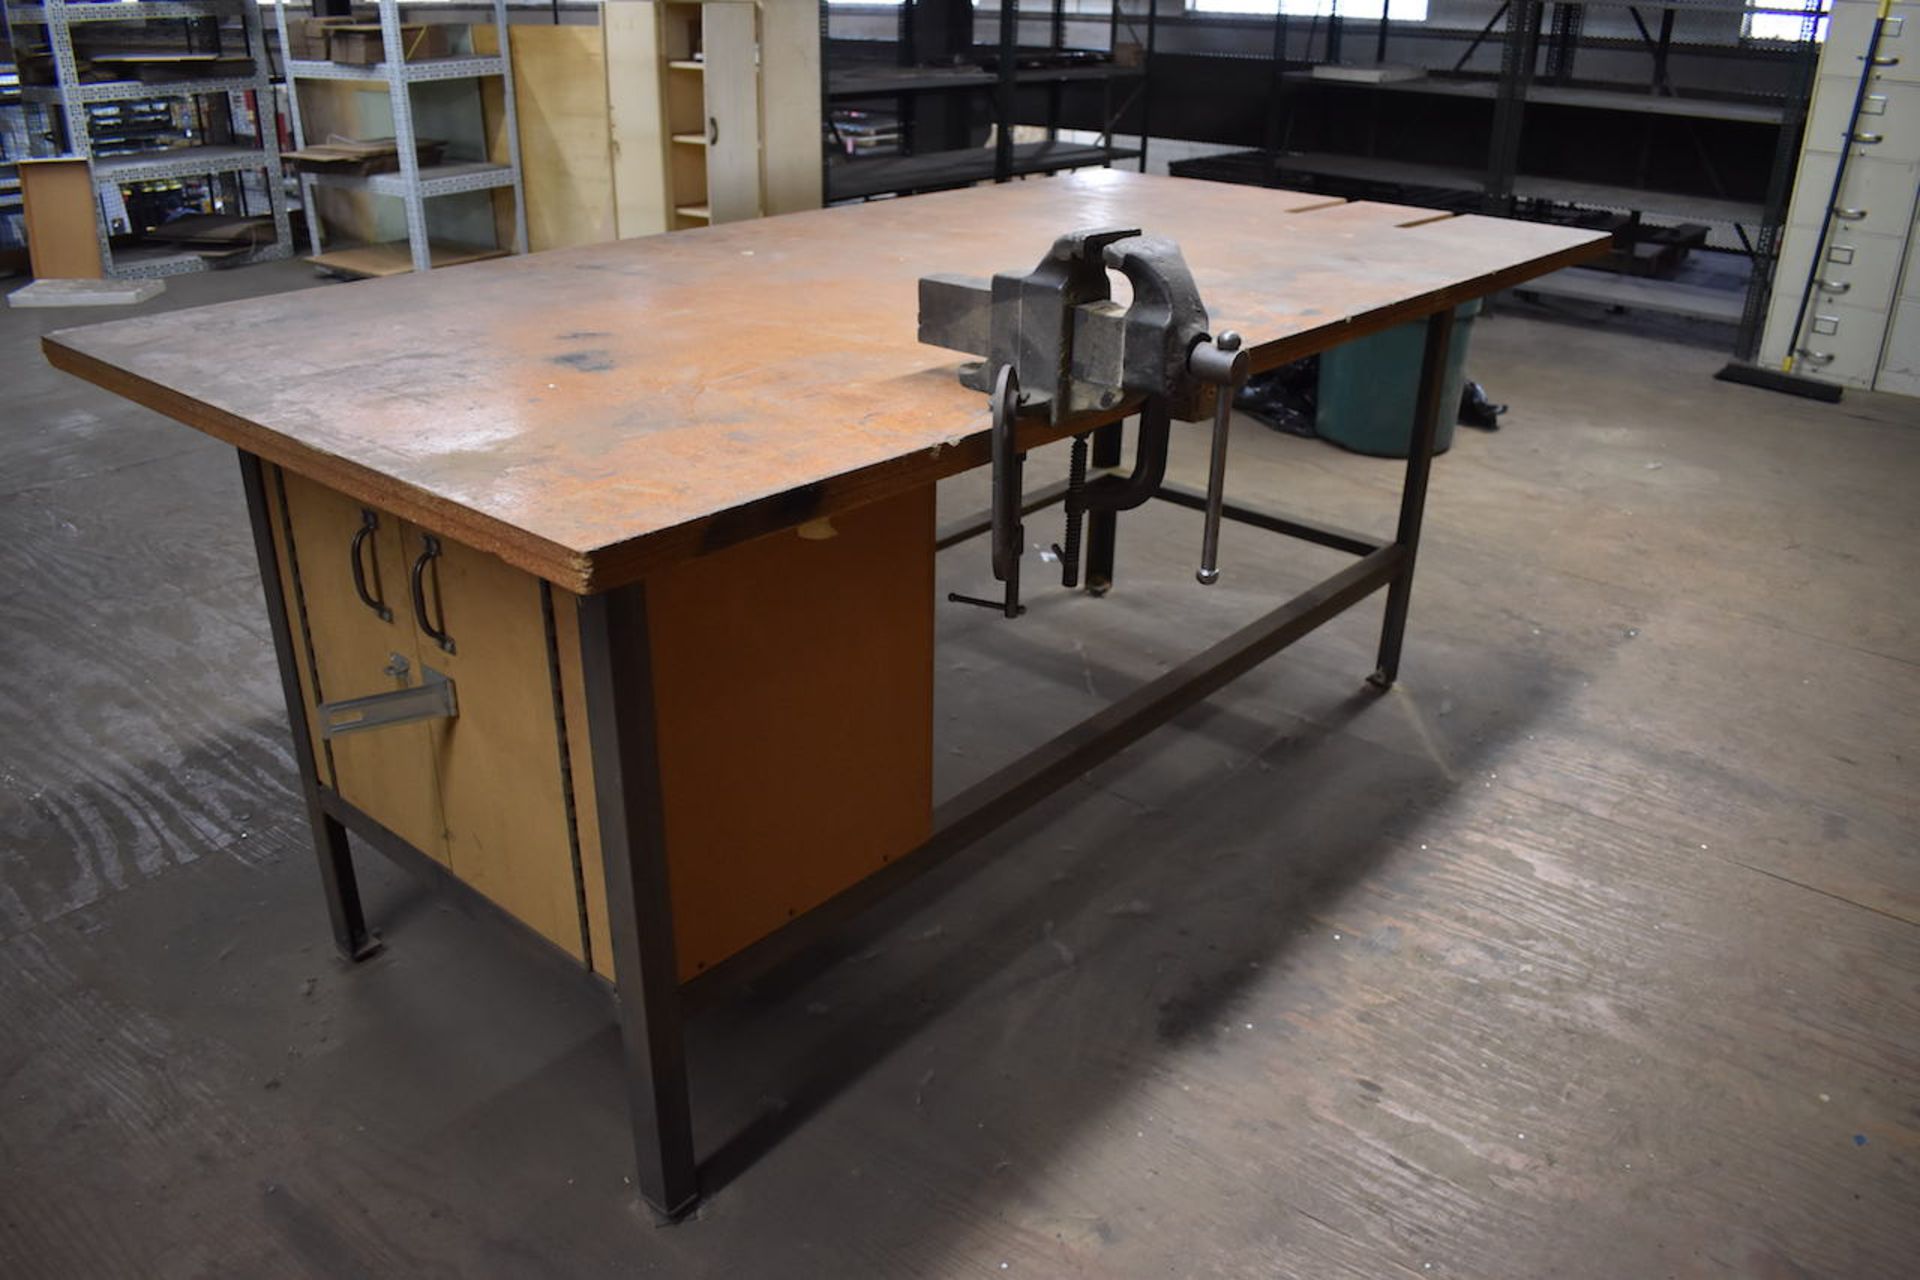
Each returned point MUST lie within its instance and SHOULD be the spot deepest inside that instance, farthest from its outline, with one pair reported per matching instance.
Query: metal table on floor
(602, 580)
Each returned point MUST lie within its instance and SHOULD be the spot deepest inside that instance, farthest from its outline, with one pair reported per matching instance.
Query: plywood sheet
(57, 198)
(394, 258)
(793, 682)
(595, 413)
(560, 94)
(790, 105)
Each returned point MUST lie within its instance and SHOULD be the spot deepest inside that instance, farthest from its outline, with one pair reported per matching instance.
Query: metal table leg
(1413, 494)
(350, 933)
(617, 672)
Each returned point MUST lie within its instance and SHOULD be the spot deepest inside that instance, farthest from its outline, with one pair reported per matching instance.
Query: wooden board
(388, 774)
(730, 41)
(56, 197)
(592, 414)
(793, 682)
(371, 261)
(789, 106)
(560, 95)
(498, 761)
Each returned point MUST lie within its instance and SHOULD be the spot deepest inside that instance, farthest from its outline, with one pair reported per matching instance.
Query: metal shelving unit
(415, 184)
(15, 142)
(1504, 119)
(57, 19)
(920, 168)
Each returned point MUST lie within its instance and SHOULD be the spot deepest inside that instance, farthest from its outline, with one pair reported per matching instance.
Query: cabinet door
(499, 760)
(351, 651)
(727, 35)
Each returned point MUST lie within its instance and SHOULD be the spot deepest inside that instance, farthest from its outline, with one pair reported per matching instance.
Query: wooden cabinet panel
(388, 774)
(789, 106)
(502, 789)
(793, 680)
(794, 690)
(732, 80)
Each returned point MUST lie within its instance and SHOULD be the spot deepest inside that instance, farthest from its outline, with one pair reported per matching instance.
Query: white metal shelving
(57, 19)
(414, 184)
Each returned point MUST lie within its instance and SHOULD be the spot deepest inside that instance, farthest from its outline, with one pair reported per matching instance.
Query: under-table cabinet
(793, 684)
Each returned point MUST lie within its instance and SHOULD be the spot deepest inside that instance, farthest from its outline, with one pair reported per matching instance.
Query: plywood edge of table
(540, 556)
(591, 570)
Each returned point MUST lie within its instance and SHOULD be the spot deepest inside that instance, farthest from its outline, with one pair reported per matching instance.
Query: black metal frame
(651, 1002)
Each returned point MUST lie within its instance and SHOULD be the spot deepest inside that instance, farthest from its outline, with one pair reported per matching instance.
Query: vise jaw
(1072, 348)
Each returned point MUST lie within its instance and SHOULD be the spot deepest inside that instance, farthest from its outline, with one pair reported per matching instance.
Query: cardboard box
(360, 43)
(307, 37)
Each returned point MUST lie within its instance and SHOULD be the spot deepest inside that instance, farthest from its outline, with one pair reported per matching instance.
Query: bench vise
(1056, 343)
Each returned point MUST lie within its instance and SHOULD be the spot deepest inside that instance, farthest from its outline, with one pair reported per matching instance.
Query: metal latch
(431, 699)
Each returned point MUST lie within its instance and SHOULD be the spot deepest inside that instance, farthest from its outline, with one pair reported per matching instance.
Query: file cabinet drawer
(1876, 196)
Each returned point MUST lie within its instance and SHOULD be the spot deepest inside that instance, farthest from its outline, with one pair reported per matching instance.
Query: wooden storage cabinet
(714, 110)
(482, 793)
(794, 706)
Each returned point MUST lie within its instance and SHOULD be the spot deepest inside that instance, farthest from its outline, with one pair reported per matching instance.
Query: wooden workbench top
(591, 413)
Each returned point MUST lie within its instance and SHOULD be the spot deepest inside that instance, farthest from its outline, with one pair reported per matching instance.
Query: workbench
(601, 580)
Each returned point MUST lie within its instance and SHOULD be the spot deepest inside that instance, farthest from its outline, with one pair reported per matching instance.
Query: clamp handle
(1221, 362)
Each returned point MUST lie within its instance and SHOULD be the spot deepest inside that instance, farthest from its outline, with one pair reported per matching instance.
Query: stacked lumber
(217, 237)
(360, 155)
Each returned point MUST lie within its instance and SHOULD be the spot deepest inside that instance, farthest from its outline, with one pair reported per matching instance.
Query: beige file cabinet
(1858, 329)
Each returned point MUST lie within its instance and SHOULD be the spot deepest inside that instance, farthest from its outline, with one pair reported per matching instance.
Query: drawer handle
(429, 551)
(1836, 286)
(1884, 60)
(369, 525)
(1848, 215)
(1868, 139)
(1817, 357)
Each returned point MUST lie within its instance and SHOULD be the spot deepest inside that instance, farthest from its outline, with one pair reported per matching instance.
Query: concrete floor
(1591, 950)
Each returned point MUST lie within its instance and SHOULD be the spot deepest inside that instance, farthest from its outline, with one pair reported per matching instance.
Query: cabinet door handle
(1848, 215)
(369, 525)
(713, 131)
(429, 551)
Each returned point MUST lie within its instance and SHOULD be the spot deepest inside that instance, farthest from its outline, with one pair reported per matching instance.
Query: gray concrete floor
(1591, 950)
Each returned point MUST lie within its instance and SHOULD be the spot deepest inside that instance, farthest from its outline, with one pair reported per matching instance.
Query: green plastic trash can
(1367, 388)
